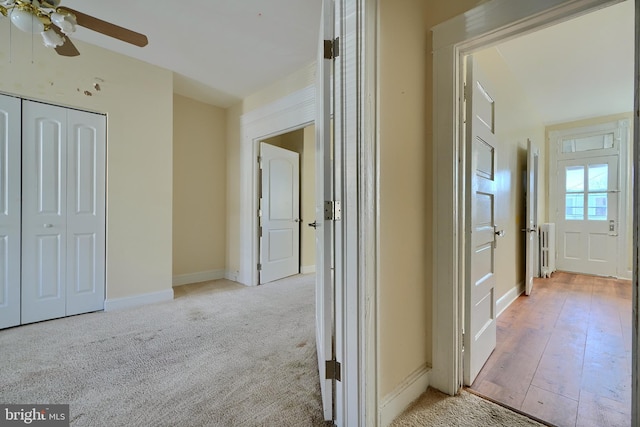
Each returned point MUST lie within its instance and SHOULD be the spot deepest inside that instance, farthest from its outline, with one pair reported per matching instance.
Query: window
(574, 197)
(588, 143)
(597, 180)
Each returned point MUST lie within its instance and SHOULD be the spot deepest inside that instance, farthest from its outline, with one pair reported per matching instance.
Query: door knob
(314, 224)
(500, 233)
(297, 220)
(47, 225)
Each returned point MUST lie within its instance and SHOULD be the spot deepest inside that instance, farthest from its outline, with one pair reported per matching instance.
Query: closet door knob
(48, 225)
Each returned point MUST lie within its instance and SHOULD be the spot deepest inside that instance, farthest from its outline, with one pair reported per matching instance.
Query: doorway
(591, 182)
(451, 42)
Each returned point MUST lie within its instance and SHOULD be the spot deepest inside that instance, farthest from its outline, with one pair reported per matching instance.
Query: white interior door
(279, 213)
(10, 206)
(480, 300)
(323, 227)
(531, 230)
(85, 212)
(44, 211)
(587, 215)
(63, 212)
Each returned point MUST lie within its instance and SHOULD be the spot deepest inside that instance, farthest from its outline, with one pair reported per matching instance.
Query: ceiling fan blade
(109, 29)
(68, 48)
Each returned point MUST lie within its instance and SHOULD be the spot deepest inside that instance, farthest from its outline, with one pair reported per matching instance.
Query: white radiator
(547, 249)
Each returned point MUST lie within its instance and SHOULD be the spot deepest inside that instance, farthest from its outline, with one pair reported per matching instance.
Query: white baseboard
(307, 269)
(201, 276)
(506, 300)
(231, 275)
(137, 300)
(398, 400)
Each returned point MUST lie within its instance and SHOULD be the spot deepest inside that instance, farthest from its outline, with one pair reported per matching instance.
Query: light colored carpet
(434, 408)
(220, 354)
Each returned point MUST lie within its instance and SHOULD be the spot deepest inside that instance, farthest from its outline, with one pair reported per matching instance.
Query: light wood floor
(563, 354)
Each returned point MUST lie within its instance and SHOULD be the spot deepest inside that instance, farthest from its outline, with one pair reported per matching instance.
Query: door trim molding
(480, 27)
(286, 114)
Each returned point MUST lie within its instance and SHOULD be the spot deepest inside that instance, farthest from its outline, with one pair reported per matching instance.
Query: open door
(531, 229)
(480, 230)
(279, 213)
(324, 227)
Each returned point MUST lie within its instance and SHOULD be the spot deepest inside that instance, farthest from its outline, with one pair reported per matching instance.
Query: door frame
(287, 114)
(476, 29)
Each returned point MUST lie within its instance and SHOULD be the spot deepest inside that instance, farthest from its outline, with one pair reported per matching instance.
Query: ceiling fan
(55, 24)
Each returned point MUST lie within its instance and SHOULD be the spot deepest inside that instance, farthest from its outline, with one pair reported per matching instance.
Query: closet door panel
(44, 211)
(86, 212)
(10, 135)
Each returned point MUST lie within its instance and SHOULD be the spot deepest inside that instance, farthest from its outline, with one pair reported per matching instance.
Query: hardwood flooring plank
(560, 368)
(594, 410)
(564, 353)
(558, 410)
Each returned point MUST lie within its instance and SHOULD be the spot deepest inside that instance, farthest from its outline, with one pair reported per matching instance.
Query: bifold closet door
(9, 211)
(63, 231)
(86, 153)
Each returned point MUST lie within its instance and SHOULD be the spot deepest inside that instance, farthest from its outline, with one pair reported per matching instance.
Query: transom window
(588, 143)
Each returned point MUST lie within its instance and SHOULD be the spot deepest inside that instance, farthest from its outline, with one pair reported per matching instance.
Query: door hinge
(332, 370)
(332, 48)
(259, 267)
(332, 210)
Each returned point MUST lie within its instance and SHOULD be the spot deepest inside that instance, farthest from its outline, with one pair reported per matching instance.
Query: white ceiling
(223, 50)
(220, 50)
(578, 69)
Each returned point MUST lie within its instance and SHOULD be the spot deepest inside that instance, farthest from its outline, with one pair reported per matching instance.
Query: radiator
(547, 249)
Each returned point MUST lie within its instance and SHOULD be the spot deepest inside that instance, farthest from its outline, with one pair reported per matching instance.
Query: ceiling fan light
(66, 22)
(52, 4)
(26, 21)
(51, 38)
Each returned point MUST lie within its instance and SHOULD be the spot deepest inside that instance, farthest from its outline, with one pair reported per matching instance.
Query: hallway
(563, 354)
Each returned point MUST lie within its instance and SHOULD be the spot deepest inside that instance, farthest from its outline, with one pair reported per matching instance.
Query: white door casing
(324, 229)
(481, 232)
(63, 212)
(279, 213)
(587, 215)
(531, 226)
(10, 211)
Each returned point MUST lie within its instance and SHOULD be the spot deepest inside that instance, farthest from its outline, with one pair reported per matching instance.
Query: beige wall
(298, 80)
(516, 121)
(138, 100)
(406, 193)
(199, 187)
